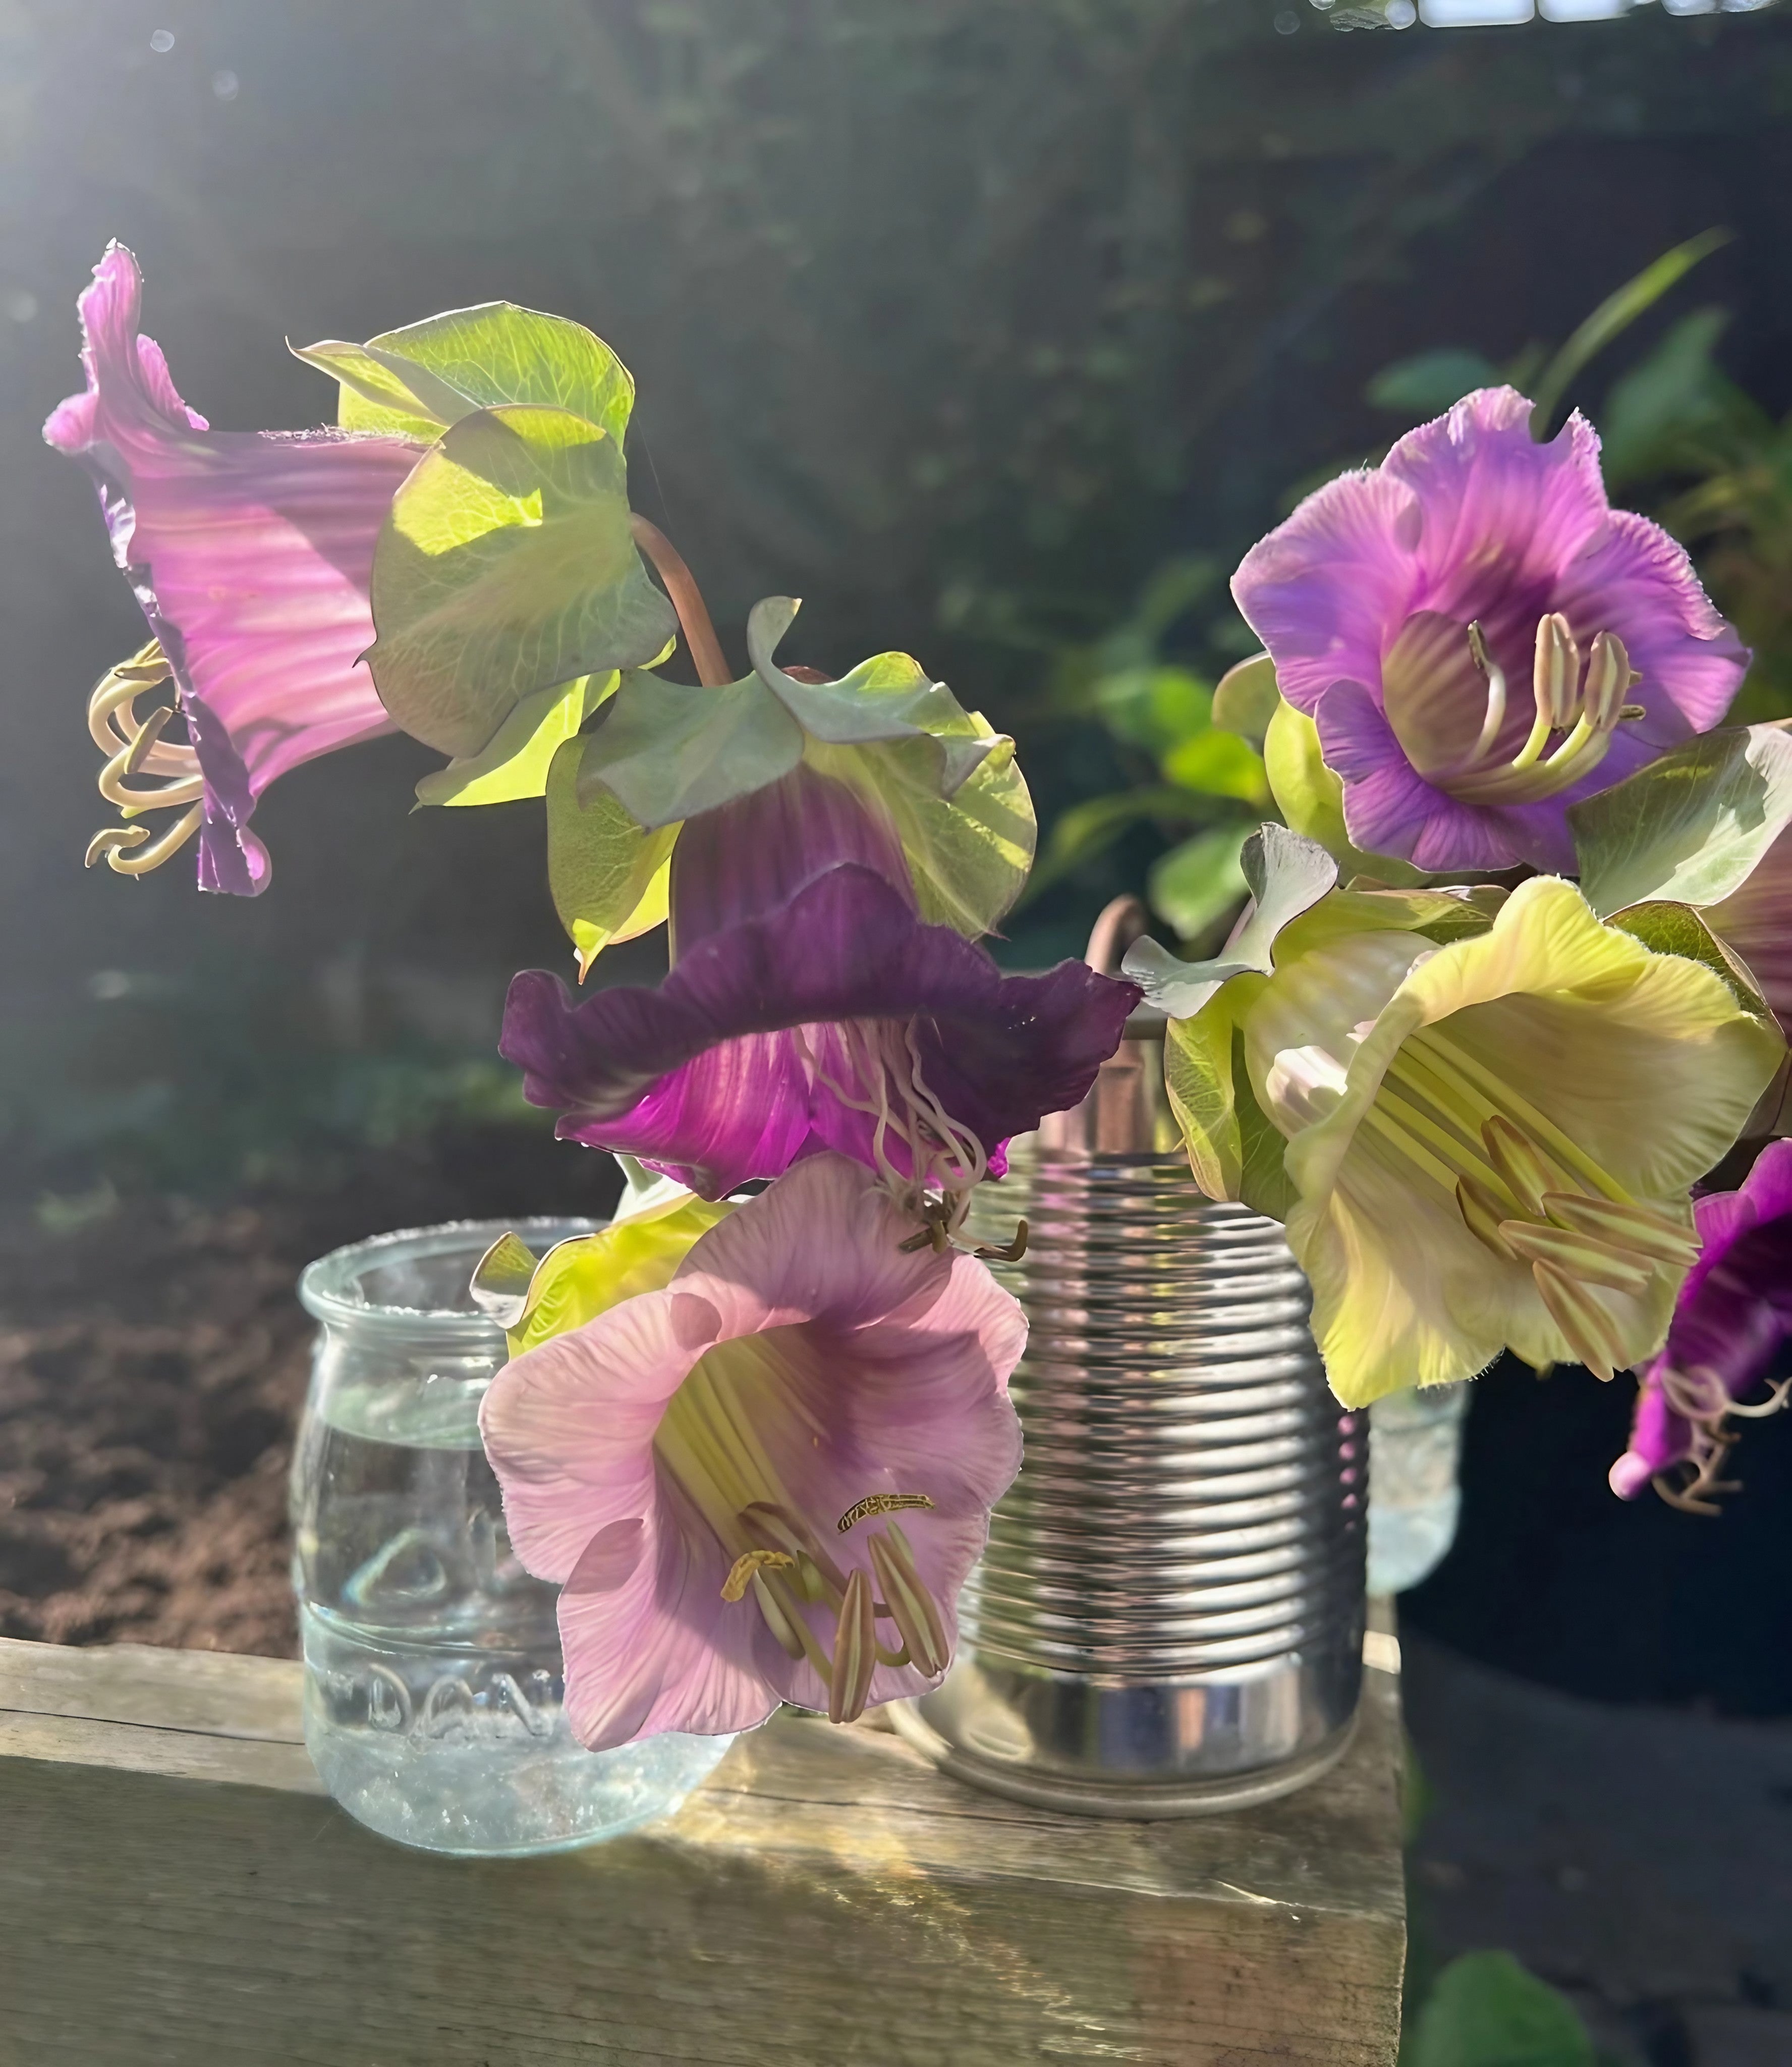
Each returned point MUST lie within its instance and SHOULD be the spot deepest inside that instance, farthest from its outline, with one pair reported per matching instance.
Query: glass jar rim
(329, 1288)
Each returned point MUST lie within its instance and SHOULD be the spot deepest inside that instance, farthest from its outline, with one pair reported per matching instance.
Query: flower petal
(250, 553)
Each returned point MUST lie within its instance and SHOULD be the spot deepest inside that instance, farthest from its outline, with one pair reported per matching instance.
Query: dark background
(958, 318)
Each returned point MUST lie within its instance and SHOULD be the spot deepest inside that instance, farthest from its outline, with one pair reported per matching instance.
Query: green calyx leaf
(1287, 874)
(1689, 828)
(415, 382)
(514, 761)
(1486, 2011)
(1677, 929)
(944, 779)
(506, 565)
(609, 875)
(1234, 1151)
(1247, 698)
(1310, 798)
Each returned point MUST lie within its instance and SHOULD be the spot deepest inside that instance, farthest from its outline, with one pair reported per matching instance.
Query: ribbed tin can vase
(1169, 1617)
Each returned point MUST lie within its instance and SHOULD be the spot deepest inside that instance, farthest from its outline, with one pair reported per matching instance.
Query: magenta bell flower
(809, 1008)
(714, 1472)
(1482, 641)
(251, 553)
(1734, 1312)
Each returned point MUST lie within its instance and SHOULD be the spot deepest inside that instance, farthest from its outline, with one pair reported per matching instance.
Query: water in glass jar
(433, 1686)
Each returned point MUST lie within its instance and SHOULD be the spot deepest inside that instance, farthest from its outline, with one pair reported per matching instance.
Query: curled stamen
(1496, 694)
(741, 1572)
(880, 1503)
(778, 1529)
(118, 840)
(1011, 1253)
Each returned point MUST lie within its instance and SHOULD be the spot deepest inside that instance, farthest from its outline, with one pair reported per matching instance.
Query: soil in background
(153, 1365)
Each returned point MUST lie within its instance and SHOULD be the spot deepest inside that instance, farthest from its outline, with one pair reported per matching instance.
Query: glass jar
(1415, 1447)
(433, 1678)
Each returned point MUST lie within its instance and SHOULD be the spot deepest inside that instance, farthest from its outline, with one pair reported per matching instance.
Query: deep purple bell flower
(808, 1008)
(1734, 1312)
(251, 553)
(1482, 641)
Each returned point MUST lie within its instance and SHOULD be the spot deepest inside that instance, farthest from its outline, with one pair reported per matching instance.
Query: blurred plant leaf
(1430, 383)
(1613, 315)
(608, 876)
(1691, 826)
(1088, 829)
(505, 566)
(1673, 395)
(1486, 2011)
(1219, 764)
(416, 381)
(1154, 707)
(1199, 881)
(514, 761)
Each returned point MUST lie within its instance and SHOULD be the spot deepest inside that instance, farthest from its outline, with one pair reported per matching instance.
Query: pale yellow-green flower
(1485, 1144)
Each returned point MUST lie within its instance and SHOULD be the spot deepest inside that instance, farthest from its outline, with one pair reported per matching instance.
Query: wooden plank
(173, 1890)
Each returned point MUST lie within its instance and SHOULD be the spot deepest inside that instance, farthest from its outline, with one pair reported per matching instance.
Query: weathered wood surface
(175, 1889)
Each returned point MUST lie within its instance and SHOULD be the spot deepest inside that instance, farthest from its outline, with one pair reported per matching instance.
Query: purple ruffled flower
(1734, 1313)
(1482, 640)
(251, 553)
(809, 1008)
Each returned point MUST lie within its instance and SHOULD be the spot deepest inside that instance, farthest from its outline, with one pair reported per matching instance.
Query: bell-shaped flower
(1481, 1121)
(251, 554)
(1733, 1317)
(767, 1480)
(1482, 640)
(809, 1006)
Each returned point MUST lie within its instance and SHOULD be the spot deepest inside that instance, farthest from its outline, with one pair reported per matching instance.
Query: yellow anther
(1590, 1332)
(855, 1653)
(151, 857)
(1641, 1229)
(112, 839)
(1521, 1169)
(1483, 1212)
(1583, 1258)
(1609, 680)
(1556, 675)
(748, 1565)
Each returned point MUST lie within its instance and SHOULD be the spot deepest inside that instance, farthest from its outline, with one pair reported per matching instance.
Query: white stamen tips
(1609, 680)
(1584, 1257)
(1521, 1169)
(855, 1652)
(1556, 674)
(1496, 694)
(1482, 1211)
(1587, 1327)
(1637, 1229)
(909, 1604)
(880, 1503)
(749, 1563)
(782, 1615)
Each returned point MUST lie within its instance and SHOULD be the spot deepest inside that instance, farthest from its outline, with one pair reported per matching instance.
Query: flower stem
(693, 613)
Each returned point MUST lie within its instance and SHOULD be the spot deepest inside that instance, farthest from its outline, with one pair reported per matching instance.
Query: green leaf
(506, 565)
(969, 854)
(1202, 1085)
(1157, 708)
(1615, 314)
(1486, 2011)
(1247, 698)
(1675, 393)
(1310, 798)
(1677, 929)
(514, 762)
(668, 751)
(1287, 875)
(1690, 827)
(1219, 764)
(608, 875)
(418, 380)
(1089, 828)
(1195, 883)
(1264, 1184)
(1431, 382)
